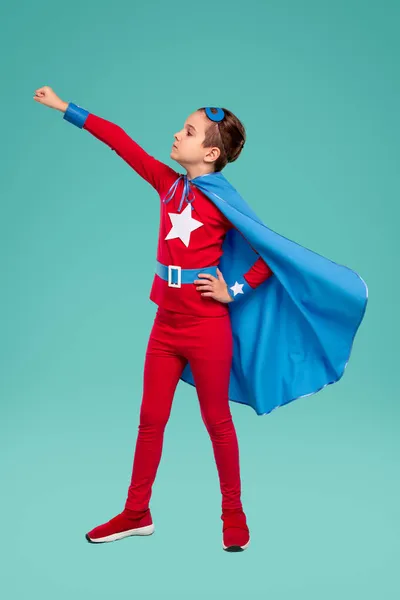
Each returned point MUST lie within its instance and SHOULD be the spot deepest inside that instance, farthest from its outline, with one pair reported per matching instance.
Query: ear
(213, 154)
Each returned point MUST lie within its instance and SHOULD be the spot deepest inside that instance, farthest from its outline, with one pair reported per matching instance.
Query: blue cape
(293, 334)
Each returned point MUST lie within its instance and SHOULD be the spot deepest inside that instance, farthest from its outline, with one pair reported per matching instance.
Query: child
(258, 340)
(192, 323)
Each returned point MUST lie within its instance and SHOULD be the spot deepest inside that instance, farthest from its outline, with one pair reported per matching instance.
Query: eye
(188, 132)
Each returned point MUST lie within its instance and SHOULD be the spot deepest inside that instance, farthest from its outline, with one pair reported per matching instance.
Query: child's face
(187, 149)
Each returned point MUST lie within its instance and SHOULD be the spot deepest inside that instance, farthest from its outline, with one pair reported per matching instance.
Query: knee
(154, 419)
(218, 426)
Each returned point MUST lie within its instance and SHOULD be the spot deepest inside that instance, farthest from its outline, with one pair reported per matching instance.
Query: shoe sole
(235, 548)
(147, 530)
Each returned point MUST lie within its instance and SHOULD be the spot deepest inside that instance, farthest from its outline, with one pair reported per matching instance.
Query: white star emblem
(237, 288)
(182, 225)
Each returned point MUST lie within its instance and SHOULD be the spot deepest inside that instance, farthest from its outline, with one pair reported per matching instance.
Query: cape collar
(187, 193)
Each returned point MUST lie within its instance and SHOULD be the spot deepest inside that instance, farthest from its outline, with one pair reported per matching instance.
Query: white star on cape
(237, 288)
(182, 225)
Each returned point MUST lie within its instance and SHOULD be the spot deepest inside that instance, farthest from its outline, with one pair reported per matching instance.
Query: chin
(175, 159)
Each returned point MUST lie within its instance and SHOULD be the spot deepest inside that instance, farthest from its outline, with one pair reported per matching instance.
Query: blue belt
(175, 275)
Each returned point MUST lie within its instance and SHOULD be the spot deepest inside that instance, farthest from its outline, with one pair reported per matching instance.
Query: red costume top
(196, 245)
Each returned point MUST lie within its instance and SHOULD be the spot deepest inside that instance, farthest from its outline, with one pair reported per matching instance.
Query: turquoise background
(316, 85)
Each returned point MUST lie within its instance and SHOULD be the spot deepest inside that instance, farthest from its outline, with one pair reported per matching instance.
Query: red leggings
(206, 342)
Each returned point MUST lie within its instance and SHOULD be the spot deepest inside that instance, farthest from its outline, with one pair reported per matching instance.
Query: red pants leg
(210, 361)
(162, 370)
(207, 344)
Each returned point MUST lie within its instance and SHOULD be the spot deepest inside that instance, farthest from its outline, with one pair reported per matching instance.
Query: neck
(196, 171)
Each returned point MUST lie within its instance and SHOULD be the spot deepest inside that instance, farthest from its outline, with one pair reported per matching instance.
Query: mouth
(173, 145)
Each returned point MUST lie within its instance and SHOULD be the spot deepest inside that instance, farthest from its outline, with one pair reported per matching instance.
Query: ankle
(135, 514)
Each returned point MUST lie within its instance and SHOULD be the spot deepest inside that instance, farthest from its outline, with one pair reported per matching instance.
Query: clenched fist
(45, 95)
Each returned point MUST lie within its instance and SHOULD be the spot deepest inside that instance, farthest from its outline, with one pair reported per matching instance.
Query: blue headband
(218, 116)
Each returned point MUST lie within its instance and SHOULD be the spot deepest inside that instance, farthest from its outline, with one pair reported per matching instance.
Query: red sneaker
(235, 533)
(125, 524)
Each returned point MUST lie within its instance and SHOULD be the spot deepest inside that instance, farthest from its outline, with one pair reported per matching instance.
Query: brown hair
(229, 135)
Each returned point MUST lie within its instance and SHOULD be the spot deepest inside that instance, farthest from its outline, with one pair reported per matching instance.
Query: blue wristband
(76, 115)
(239, 290)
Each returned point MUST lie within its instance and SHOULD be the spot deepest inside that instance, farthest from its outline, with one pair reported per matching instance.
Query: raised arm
(158, 174)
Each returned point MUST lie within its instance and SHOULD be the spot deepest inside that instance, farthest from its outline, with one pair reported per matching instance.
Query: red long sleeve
(158, 174)
(258, 273)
